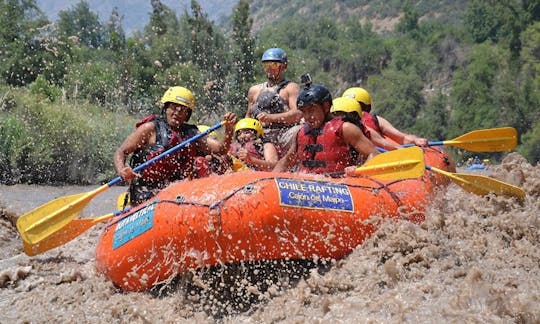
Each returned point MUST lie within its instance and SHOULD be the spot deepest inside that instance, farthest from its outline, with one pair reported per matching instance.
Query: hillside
(383, 15)
(136, 12)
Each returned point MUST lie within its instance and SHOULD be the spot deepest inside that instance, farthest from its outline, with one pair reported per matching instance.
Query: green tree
(162, 20)
(208, 52)
(81, 22)
(409, 22)
(480, 96)
(242, 58)
(114, 33)
(25, 48)
(432, 119)
(397, 96)
(499, 20)
(531, 144)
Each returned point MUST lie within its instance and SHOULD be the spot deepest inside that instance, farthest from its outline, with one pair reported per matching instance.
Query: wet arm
(141, 137)
(381, 141)
(399, 137)
(268, 162)
(209, 145)
(353, 136)
(288, 160)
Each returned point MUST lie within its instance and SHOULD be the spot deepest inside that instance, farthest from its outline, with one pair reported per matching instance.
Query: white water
(474, 260)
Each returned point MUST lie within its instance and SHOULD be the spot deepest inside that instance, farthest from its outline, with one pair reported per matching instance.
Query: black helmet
(316, 93)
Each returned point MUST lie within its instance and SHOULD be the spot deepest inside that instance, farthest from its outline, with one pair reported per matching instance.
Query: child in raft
(248, 150)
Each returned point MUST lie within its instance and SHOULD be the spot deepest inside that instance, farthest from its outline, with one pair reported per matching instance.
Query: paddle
(482, 140)
(54, 215)
(477, 184)
(404, 163)
(399, 164)
(70, 231)
(482, 185)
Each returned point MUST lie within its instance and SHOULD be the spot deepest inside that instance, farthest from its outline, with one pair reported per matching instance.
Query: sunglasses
(179, 108)
(271, 64)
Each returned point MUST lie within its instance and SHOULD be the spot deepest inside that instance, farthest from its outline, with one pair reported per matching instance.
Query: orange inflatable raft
(252, 216)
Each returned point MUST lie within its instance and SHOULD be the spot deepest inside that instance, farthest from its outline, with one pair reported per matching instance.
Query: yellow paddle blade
(70, 231)
(404, 163)
(486, 140)
(123, 201)
(52, 216)
(482, 185)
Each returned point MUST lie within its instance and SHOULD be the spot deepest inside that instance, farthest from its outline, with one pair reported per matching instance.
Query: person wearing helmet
(249, 148)
(348, 109)
(324, 143)
(273, 102)
(157, 133)
(378, 123)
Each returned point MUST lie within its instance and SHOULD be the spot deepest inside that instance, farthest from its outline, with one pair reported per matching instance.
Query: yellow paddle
(482, 185)
(387, 166)
(404, 163)
(477, 184)
(482, 140)
(54, 215)
(73, 229)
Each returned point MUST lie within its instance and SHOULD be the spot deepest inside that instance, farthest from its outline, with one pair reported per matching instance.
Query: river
(474, 259)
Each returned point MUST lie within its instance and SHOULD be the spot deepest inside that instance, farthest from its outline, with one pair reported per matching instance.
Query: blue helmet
(316, 93)
(275, 54)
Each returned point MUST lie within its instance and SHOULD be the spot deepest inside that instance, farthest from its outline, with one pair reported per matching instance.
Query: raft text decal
(134, 225)
(315, 195)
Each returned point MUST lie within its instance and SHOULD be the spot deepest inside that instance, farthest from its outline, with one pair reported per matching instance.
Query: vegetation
(71, 90)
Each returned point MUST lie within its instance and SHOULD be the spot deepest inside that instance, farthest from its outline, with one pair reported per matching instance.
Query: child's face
(245, 135)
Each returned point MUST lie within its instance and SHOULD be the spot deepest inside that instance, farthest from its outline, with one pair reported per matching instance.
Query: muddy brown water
(474, 260)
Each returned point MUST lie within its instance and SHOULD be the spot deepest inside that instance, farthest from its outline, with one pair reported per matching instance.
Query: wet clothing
(323, 150)
(254, 148)
(269, 101)
(177, 166)
(371, 121)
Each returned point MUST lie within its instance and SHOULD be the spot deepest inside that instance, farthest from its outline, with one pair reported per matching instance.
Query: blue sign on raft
(315, 195)
(134, 225)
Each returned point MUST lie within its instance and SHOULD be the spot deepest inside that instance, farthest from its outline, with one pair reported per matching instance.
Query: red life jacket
(176, 166)
(369, 120)
(253, 148)
(323, 150)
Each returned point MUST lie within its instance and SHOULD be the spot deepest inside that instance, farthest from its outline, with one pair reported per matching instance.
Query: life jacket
(176, 166)
(371, 121)
(269, 101)
(323, 150)
(254, 148)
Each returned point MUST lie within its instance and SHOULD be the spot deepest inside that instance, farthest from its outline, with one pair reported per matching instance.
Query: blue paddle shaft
(168, 152)
(434, 143)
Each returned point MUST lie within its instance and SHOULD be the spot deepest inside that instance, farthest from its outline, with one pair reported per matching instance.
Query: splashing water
(474, 259)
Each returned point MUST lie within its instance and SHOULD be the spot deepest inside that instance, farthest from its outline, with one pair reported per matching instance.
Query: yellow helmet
(360, 94)
(202, 128)
(249, 123)
(346, 104)
(179, 95)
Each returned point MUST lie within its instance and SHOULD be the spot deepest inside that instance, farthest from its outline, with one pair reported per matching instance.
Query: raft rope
(249, 187)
